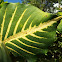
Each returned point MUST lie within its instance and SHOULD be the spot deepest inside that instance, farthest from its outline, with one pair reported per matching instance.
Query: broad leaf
(26, 30)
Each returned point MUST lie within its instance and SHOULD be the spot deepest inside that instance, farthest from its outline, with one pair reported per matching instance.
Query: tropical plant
(45, 5)
(26, 31)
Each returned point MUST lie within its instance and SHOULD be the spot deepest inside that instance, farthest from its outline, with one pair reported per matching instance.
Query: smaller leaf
(4, 56)
(59, 28)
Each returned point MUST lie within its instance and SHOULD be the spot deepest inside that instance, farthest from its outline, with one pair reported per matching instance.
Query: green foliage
(59, 28)
(42, 4)
(4, 55)
(37, 3)
(2, 3)
(28, 32)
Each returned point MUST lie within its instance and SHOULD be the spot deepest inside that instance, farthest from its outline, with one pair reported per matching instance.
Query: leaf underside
(26, 30)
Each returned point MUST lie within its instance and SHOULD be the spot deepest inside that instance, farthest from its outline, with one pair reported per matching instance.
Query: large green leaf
(26, 30)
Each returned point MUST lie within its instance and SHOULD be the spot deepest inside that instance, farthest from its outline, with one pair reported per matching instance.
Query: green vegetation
(29, 34)
(45, 5)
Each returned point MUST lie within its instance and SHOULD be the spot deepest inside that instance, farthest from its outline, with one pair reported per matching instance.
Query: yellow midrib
(30, 31)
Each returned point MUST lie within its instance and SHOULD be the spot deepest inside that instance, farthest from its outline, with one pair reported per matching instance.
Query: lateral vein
(2, 26)
(13, 50)
(26, 44)
(21, 48)
(9, 26)
(15, 29)
(25, 23)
